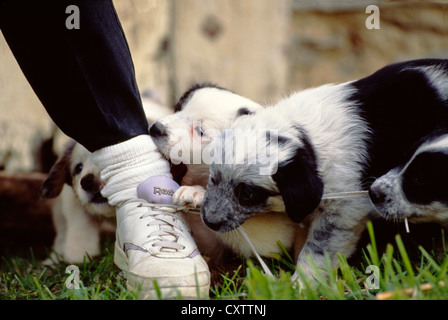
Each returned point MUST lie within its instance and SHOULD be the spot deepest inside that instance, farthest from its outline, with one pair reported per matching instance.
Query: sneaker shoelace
(165, 238)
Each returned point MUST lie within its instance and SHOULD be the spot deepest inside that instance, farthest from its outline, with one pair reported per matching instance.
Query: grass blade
(372, 248)
(405, 259)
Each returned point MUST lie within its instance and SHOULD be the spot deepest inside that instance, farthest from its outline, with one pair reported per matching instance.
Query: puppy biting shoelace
(158, 192)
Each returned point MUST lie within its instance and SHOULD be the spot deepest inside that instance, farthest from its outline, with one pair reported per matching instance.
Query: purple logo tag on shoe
(157, 189)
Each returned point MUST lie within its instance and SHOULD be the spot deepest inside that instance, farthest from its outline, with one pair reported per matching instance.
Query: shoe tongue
(157, 189)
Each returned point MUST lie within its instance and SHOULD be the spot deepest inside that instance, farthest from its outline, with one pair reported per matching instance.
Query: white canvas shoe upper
(154, 247)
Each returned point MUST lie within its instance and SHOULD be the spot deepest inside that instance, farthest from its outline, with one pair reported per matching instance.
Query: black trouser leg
(84, 77)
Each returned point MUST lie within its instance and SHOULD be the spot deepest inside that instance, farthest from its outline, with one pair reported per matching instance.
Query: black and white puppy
(333, 138)
(202, 111)
(417, 189)
(201, 114)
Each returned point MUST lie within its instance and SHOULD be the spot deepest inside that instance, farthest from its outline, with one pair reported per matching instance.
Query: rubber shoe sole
(163, 289)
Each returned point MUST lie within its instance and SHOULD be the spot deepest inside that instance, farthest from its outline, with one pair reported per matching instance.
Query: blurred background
(261, 49)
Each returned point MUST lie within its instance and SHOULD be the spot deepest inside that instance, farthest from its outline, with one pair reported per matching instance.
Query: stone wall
(238, 44)
(335, 46)
(262, 49)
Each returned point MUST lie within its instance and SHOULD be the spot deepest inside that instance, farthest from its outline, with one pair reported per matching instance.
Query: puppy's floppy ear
(59, 174)
(299, 184)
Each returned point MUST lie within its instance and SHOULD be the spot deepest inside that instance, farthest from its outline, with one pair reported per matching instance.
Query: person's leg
(85, 79)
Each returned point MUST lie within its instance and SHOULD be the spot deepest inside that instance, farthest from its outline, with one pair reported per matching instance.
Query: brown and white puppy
(184, 137)
(79, 207)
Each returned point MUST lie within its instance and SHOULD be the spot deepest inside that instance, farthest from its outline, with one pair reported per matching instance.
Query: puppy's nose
(90, 184)
(157, 130)
(376, 195)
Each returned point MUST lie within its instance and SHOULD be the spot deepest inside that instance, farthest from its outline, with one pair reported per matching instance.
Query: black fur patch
(249, 195)
(426, 178)
(400, 106)
(243, 111)
(190, 92)
(282, 140)
(299, 182)
(426, 139)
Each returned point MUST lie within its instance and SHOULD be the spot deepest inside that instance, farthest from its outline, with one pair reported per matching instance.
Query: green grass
(398, 278)
(27, 279)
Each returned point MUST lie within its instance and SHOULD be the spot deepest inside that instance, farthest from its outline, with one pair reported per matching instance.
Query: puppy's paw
(311, 270)
(189, 195)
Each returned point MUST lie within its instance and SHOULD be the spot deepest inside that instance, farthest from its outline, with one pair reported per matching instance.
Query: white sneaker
(158, 254)
(154, 247)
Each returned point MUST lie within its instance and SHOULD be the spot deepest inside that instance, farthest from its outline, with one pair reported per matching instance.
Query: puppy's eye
(78, 168)
(249, 195)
